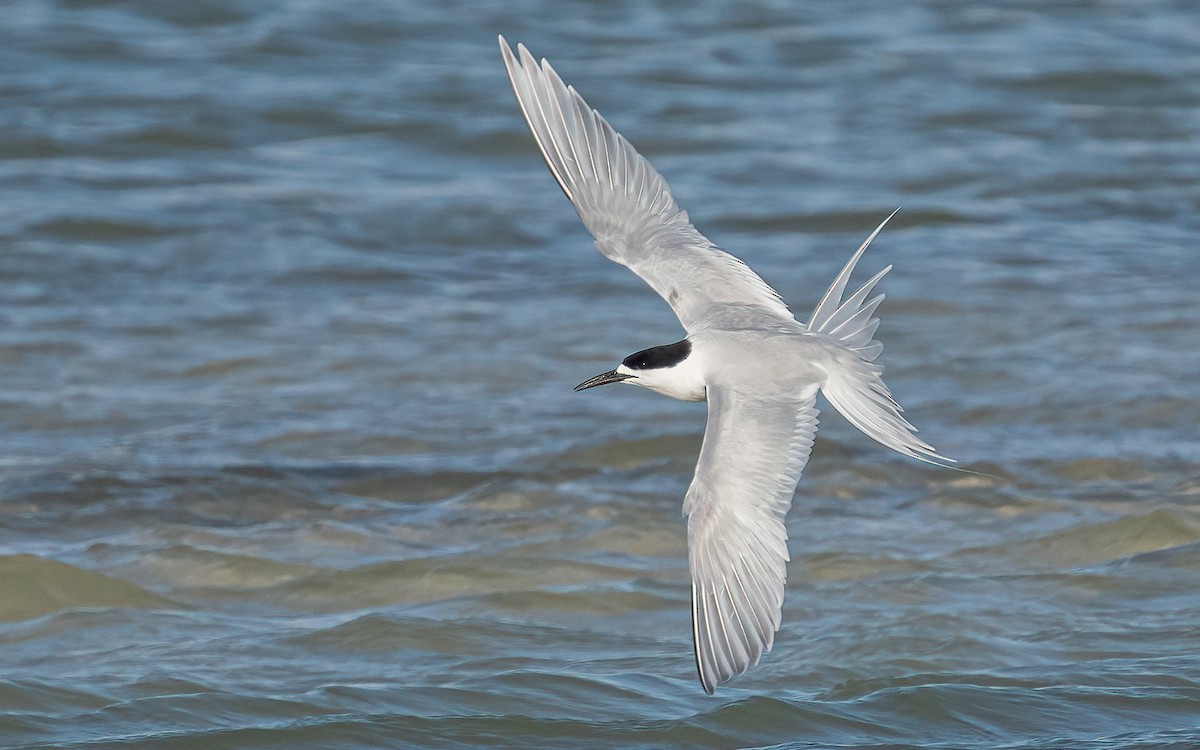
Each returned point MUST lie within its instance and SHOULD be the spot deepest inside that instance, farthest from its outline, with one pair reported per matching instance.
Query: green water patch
(32, 586)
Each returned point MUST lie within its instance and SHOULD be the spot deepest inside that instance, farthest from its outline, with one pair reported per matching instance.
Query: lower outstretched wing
(755, 448)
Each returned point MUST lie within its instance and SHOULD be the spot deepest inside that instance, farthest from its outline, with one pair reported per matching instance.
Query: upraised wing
(755, 448)
(626, 204)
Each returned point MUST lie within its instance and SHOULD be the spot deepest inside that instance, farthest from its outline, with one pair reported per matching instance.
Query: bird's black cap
(658, 357)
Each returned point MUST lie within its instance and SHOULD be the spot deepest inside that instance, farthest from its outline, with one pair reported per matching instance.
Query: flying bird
(758, 367)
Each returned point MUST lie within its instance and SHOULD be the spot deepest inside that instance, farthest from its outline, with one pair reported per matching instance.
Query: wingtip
(709, 687)
(526, 58)
(506, 54)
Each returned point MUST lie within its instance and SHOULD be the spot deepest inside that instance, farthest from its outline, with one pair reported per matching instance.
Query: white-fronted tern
(745, 353)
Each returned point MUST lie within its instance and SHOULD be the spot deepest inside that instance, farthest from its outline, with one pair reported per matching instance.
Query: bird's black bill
(604, 378)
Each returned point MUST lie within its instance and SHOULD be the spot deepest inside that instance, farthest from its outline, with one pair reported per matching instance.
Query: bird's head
(669, 370)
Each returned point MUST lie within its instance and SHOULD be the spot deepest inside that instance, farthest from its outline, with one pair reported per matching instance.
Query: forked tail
(855, 384)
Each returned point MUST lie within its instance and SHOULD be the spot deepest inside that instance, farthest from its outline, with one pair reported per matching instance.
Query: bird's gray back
(768, 360)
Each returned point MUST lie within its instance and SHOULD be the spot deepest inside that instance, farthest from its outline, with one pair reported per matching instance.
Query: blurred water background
(290, 313)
